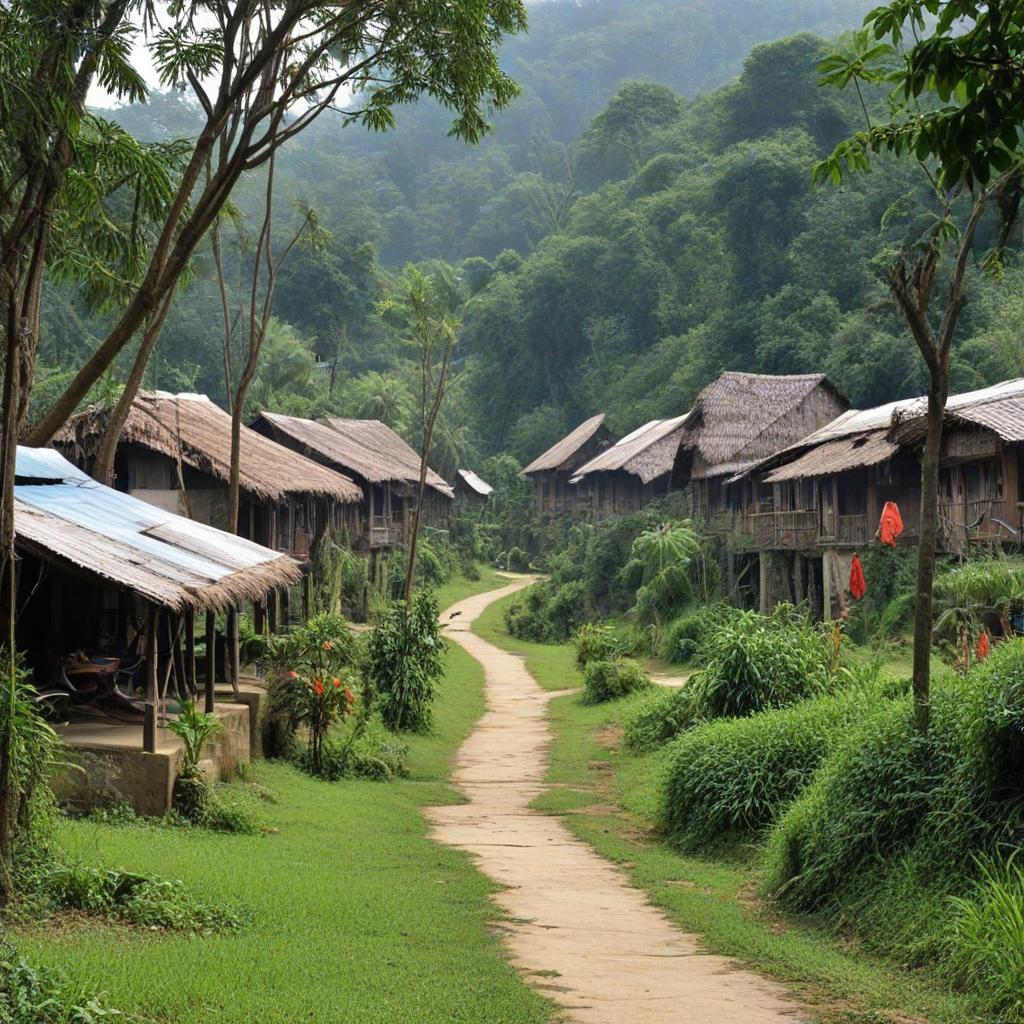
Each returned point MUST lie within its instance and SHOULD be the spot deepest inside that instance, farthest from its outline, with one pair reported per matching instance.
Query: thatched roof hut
(363, 448)
(64, 517)
(741, 418)
(648, 452)
(194, 429)
(469, 485)
(565, 455)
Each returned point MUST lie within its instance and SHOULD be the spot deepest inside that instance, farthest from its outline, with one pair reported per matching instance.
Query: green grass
(552, 665)
(610, 799)
(459, 587)
(356, 915)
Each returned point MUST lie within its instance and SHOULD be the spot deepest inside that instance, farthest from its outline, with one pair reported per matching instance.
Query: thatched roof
(741, 418)
(200, 432)
(648, 452)
(366, 448)
(999, 408)
(63, 516)
(837, 456)
(474, 483)
(560, 455)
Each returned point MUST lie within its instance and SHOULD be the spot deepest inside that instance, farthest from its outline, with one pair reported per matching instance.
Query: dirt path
(576, 928)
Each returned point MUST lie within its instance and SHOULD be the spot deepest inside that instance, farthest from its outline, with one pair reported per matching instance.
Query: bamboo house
(551, 472)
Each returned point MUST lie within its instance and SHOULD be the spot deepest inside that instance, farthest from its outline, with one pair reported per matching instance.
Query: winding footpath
(576, 929)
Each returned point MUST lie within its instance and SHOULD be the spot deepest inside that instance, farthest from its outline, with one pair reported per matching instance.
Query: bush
(736, 775)
(659, 718)
(528, 618)
(137, 899)
(753, 665)
(369, 751)
(892, 803)
(404, 660)
(195, 729)
(683, 636)
(611, 679)
(604, 640)
(32, 995)
(987, 946)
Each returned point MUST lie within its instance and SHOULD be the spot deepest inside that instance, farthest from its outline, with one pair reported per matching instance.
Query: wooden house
(112, 594)
(822, 498)
(551, 472)
(470, 489)
(632, 472)
(175, 452)
(385, 469)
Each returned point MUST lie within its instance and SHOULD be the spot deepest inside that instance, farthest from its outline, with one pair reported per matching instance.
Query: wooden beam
(149, 723)
(272, 611)
(211, 660)
(234, 671)
(190, 653)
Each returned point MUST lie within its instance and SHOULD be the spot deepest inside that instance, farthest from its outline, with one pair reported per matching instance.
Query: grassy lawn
(356, 915)
(610, 799)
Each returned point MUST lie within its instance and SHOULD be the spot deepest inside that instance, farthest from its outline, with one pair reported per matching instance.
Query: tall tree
(263, 72)
(968, 59)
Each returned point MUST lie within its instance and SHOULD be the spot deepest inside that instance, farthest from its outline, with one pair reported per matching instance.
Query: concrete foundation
(108, 765)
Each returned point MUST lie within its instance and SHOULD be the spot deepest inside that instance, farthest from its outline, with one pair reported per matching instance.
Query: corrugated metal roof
(166, 558)
(560, 452)
(647, 452)
(475, 483)
(837, 456)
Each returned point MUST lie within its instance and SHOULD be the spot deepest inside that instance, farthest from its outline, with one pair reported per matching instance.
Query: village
(544, 547)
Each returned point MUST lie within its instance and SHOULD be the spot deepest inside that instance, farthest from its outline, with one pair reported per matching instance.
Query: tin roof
(473, 482)
(64, 515)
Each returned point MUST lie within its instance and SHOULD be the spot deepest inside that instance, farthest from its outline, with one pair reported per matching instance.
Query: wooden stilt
(211, 660)
(178, 658)
(149, 723)
(234, 672)
(272, 611)
(286, 608)
(190, 653)
(259, 617)
(307, 596)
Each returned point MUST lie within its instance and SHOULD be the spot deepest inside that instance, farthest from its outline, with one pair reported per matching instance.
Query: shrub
(34, 995)
(528, 618)
(752, 665)
(195, 729)
(683, 636)
(368, 752)
(987, 945)
(404, 660)
(604, 640)
(137, 899)
(738, 774)
(658, 719)
(612, 678)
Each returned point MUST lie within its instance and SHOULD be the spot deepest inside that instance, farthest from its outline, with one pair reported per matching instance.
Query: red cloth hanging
(858, 588)
(984, 646)
(891, 525)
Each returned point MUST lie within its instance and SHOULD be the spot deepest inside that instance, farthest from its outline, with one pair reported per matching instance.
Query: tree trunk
(927, 541)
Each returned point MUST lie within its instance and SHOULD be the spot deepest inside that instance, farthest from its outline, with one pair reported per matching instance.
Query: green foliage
(136, 899)
(673, 570)
(965, 593)
(368, 751)
(737, 775)
(887, 609)
(195, 729)
(612, 678)
(684, 636)
(32, 995)
(659, 718)
(339, 577)
(404, 662)
(753, 665)
(987, 944)
(545, 614)
(600, 641)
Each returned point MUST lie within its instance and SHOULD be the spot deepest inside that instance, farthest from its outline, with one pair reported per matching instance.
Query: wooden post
(190, 653)
(178, 657)
(234, 670)
(272, 611)
(798, 574)
(826, 585)
(149, 723)
(764, 563)
(286, 607)
(211, 660)
(259, 617)
(307, 596)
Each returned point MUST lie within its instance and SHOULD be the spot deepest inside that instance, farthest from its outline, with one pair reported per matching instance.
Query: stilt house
(385, 468)
(175, 452)
(551, 472)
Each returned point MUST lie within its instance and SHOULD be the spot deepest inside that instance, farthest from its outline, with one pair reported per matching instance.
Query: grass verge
(356, 914)
(610, 798)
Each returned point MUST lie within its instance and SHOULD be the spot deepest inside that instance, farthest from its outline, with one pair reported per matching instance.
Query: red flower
(327, 645)
(318, 687)
(350, 697)
(337, 682)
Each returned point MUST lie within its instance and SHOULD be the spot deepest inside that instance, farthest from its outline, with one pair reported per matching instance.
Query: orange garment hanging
(891, 525)
(984, 646)
(858, 588)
